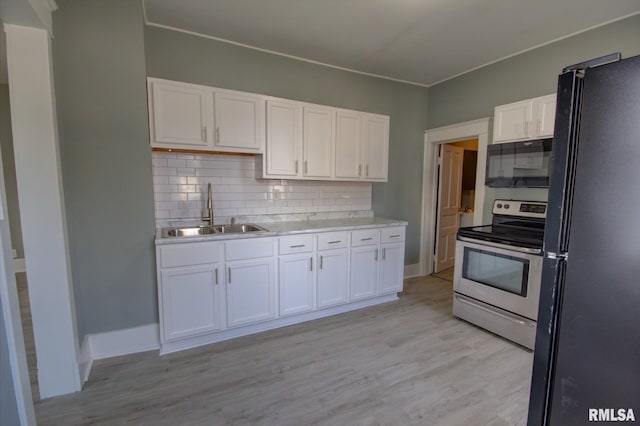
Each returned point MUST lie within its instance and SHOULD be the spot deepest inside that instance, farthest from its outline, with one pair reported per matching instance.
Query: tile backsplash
(180, 192)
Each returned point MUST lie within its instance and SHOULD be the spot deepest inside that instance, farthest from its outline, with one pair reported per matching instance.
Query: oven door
(506, 277)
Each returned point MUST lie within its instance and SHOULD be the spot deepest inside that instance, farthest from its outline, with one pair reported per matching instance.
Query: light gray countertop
(277, 229)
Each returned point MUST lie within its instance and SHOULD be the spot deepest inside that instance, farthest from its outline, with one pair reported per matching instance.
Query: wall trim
(117, 343)
(411, 271)
(467, 130)
(19, 265)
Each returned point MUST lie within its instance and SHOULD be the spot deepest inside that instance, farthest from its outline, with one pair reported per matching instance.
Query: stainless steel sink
(189, 231)
(239, 228)
(194, 231)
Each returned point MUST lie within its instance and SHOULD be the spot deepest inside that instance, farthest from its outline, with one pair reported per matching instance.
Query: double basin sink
(195, 231)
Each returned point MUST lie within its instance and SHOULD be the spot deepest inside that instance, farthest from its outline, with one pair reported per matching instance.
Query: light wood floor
(27, 331)
(408, 362)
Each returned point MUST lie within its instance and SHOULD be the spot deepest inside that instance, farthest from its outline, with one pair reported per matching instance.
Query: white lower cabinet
(296, 283)
(364, 272)
(333, 277)
(391, 268)
(250, 291)
(216, 290)
(190, 301)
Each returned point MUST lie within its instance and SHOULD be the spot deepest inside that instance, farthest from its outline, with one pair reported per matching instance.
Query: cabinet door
(546, 116)
(364, 272)
(190, 301)
(512, 122)
(178, 115)
(250, 291)
(239, 121)
(284, 130)
(348, 162)
(296, 283)
(318, 141)
(333, 278)
(391, 268)
(376, 146)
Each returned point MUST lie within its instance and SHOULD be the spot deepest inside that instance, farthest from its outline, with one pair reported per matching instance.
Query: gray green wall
(8, 404)
(8, 163)
(179, 56)
(99, 71)
(524, 76)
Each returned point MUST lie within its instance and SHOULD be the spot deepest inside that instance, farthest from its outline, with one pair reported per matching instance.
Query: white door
(391, 268)
(546, 115)
(376, 146)
(512, 122)
(449, 193)
(190, 301)
(348, 162)
(250, 291)
(178, 115)
(319, 135)
(284, 130)
(296, 283)
(333, 277)
(364, 272)
(238, 121)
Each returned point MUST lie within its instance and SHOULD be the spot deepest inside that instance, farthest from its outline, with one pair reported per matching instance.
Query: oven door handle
(502, 246)
(496, 313)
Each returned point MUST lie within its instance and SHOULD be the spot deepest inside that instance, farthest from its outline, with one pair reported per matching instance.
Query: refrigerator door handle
(556, 256)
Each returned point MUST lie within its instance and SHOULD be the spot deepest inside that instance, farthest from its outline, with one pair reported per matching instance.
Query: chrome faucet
(209, 217)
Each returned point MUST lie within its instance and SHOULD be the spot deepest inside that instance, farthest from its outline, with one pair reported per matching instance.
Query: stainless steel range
(498, 270)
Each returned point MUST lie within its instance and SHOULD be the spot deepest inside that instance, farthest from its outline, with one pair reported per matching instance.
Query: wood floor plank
(405, 362)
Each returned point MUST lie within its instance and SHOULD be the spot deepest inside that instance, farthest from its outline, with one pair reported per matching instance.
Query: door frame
(432, 138)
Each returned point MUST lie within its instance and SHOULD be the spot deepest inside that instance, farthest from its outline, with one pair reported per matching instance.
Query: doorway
(476, 130)
(457, 167)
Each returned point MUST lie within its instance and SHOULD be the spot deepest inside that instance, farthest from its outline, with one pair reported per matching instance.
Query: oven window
(500, 271)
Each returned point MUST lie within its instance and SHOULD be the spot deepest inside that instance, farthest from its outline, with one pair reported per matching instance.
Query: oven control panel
(520, 208)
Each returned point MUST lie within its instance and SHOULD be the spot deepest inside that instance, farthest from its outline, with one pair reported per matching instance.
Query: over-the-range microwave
(519, 164)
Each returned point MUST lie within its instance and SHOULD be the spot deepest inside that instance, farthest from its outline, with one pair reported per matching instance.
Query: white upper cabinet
(284, 130)
(376, 146)
(238, 121)
(362, 146)
(348, 144)
(546, 115)
(318, 141)
(523, 120)
(190, 116)
(178, 115)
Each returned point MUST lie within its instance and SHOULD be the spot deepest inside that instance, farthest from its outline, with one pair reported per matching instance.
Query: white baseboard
(411, 271)
(117, 343)
(19, 265)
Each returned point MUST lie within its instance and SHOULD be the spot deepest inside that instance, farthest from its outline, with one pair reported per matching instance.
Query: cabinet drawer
(189, 254)
(392, 235)
(365, 237)
(332, 240)
(249, 248)
(296, 244)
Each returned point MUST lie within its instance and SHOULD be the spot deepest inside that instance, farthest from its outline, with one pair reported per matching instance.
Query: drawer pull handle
(311, 264)
(229, 274)
(335, 242)
(320, 262)
(384, 254)
(216, 276)
(297, 246)
(366, 239)
(376, 259)
(394, 236)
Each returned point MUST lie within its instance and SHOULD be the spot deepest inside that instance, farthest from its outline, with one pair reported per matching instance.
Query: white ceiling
(418, 41)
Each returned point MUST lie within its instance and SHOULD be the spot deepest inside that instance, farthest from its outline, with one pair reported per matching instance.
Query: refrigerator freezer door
(597, 358)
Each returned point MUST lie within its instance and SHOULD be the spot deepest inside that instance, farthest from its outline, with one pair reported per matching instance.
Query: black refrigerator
(586, 363)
